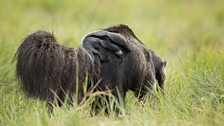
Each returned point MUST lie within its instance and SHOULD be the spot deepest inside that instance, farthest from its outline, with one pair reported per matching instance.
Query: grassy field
(189, 34)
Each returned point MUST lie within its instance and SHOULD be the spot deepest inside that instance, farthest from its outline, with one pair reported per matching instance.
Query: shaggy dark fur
(135, 45)
(46, 68)
(137, 70)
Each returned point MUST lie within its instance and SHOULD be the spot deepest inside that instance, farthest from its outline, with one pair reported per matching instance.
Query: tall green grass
(188, 34)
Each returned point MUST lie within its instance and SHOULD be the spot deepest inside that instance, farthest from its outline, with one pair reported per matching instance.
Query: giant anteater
(112, 58)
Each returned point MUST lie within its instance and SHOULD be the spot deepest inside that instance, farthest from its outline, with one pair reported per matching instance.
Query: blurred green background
(189, 34)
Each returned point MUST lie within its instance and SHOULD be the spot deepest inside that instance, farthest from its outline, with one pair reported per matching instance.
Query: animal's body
(47, 69)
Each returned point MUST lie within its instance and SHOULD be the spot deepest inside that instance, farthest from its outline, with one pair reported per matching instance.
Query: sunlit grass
(187, 34)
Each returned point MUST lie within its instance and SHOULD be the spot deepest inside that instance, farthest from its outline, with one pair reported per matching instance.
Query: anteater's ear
(164, 63)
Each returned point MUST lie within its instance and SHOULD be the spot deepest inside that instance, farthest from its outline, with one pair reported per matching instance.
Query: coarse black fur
(136, 71)
(157, 64)
(48, 70)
